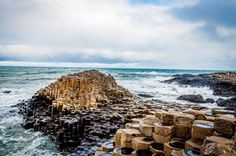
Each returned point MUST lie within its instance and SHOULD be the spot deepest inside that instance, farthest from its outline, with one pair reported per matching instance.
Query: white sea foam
(166, 92)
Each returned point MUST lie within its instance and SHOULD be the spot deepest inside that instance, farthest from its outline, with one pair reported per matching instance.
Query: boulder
(209, 100)
(192, 98)
(228, 103)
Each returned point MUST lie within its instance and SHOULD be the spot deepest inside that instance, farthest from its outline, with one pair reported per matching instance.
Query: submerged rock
(7, 91)
(145, 95)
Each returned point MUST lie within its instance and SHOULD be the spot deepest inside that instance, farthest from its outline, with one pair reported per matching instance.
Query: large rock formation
(78, 111)
(83, 90)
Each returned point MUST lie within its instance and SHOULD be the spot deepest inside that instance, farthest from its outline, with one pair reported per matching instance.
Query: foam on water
(23, 82)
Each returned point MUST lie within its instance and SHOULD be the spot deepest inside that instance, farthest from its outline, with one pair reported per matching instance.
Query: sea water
(23, 82)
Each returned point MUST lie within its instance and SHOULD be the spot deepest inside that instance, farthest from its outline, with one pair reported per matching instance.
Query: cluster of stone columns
(71, 93)
(171, 133)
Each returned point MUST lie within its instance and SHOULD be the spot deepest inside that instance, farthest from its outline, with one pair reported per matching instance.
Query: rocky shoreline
(222, 84)
(80, 111)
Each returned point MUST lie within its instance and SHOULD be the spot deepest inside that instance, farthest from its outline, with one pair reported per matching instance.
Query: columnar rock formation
(83, 90)
(78, 110)
(171, 132)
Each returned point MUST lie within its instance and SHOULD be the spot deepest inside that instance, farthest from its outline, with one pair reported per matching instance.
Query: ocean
(23, 82)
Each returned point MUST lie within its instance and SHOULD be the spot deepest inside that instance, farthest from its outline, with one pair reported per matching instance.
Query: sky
(183, 34)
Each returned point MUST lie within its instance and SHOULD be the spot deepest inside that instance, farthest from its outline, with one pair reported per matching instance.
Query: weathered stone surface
(164, 130)
(117, 138)
(161, 138)
(225, 125)
(201, 129)
(141, 143)
(216, 111)
(128, 134)
(199, 115)
(158, 113)
(182, 131)
(184, 119)
(167, 118)
(146, 130)
(150, 120)
(218, 146)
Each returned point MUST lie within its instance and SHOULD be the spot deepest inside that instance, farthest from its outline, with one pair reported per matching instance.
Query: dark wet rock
(192, 98)
(228, 103)
(192, 80)
(222, 84)
(7, 91)
(145, 95)
(209, 100)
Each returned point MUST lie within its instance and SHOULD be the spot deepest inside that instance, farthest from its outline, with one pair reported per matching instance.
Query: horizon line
(94, 65)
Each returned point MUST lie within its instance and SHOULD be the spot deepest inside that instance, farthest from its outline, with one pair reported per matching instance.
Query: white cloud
(226, 32)
(143, 34)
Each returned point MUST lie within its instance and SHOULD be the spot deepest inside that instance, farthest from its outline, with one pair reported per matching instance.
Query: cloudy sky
(192, 34)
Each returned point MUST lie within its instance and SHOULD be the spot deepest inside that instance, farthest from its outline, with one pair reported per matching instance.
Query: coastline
(142, 109)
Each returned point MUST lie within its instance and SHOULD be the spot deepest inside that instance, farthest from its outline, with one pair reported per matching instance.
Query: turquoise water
(23, 82)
